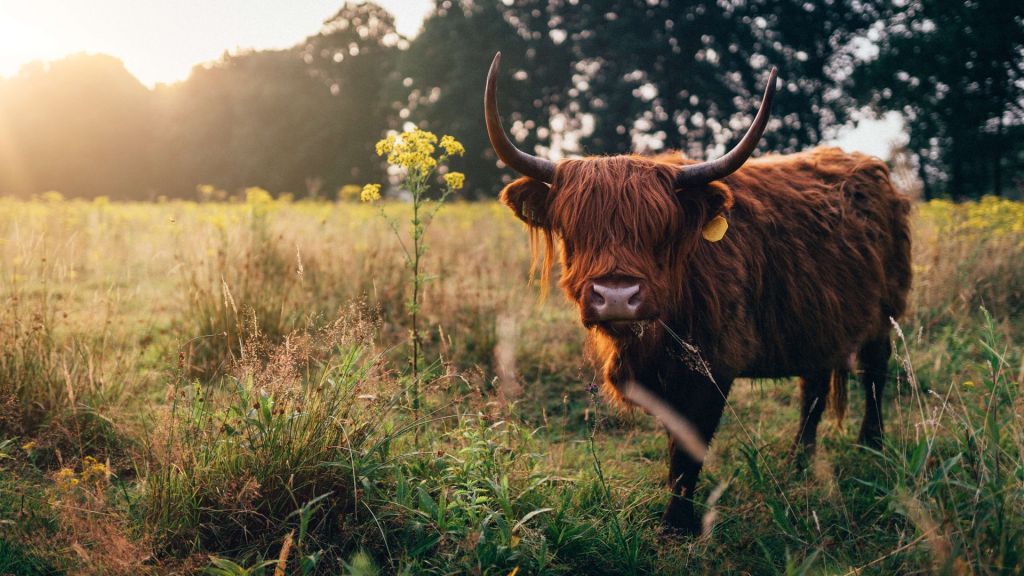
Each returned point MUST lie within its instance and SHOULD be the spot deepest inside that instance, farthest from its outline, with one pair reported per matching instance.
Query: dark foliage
(955, 70)
(602, 76)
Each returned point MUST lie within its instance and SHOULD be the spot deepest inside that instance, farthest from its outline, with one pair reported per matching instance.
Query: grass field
(223, 387)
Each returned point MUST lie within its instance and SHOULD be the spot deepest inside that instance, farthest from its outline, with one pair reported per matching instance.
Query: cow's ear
(528, 198)
(717, 199)
(708, 201)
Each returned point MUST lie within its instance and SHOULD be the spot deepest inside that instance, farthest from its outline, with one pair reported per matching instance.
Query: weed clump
(292, 438)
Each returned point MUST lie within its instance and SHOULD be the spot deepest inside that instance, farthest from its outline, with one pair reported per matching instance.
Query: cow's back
(825, 239)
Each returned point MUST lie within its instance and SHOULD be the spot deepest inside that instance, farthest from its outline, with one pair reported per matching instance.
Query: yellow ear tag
(715, 230)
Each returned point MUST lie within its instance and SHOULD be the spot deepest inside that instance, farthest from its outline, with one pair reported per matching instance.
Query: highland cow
(689, 274)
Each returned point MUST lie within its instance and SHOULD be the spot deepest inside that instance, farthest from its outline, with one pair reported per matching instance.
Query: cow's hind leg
(874, 364)
(813, 396)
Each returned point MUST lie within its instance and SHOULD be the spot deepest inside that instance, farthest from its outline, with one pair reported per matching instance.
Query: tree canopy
(955, 70)
(594, 77)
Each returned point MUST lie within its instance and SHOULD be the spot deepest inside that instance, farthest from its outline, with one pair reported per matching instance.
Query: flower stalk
(418, 155)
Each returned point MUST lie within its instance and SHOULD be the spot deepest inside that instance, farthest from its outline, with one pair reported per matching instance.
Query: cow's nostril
(634, 300)
(596, 298)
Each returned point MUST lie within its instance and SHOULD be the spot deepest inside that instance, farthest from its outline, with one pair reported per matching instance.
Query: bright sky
(874, 137)
(160, 40)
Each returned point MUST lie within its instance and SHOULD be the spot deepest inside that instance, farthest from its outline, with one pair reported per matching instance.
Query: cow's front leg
(683, 470)
(703, 410)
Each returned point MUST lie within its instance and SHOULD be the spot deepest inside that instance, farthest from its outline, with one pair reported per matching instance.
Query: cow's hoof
(679, 531)
(801, 455)
(680, 522)
(870, 439)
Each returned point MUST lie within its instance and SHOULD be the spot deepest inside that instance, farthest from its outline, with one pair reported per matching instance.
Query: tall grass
(64, 372)
(957, 475)
(256, 413)
(292, 439)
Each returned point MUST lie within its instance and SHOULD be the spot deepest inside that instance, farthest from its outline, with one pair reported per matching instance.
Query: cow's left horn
(525, 164)
(720, 168)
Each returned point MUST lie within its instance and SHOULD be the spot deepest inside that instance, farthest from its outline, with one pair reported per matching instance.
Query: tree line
(602, 76)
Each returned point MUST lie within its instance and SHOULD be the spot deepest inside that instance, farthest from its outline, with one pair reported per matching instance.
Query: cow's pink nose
(611, 302)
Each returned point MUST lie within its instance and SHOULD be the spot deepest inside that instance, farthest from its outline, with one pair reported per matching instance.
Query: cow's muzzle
(616, 300)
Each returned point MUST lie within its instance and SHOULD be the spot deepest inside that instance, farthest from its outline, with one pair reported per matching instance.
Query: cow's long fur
(815, 262)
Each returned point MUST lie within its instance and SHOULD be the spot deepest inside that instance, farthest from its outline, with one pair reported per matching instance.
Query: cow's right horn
(525, 164)
(696, 174)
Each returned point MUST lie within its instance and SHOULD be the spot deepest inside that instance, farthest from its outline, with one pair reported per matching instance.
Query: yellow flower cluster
(414, 150)
(990, 215)
(65, 479)
(451, 146)
(386, 145)
(349, 193)
(370, 193)
(257, 195)
(210, 193)
(417, 152)
(93, 472)
(996, 215)
(52, 196)
(455, 180)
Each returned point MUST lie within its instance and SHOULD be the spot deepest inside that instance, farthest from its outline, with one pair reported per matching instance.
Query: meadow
(224, 387)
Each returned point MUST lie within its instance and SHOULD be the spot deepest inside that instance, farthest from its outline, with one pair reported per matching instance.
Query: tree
(354, 56)
(443, 75)
(301, 120)
(250, 119)
(955, 70)
(614, 76)
(81, 125)
(688, 75)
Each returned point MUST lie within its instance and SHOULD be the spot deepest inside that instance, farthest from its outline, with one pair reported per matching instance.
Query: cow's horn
(525, 164)
(720, 168)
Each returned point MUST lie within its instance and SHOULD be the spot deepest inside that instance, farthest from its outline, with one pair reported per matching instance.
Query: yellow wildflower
(451, 146)
(455, 180)
(348, 193)
(257, 195)
(94, 470)
(29, 446)
(370, 193)
(52, 196)
(386, 145)
(65, 479)
(414, 151)
(210, 193)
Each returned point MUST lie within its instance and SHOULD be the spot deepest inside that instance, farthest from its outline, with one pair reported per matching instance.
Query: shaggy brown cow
(815, 262)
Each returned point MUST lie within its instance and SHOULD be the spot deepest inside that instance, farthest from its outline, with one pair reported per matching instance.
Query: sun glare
(21, 43)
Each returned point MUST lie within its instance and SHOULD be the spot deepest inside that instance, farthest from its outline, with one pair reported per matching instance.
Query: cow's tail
(837, 393)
